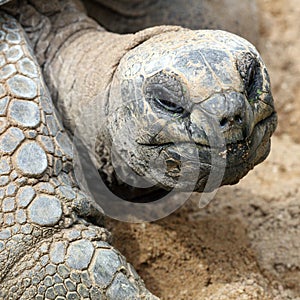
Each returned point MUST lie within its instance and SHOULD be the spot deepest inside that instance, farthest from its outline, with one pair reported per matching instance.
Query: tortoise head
(187, 103)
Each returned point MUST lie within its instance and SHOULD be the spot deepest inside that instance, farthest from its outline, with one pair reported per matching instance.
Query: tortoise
(168, 100)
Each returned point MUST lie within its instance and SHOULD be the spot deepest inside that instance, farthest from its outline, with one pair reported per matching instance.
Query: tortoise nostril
(223, 121)
(238, 119)
(235, 120)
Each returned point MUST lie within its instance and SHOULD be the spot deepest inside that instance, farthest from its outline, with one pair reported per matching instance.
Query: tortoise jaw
(268, 125)
(238, 164)
(261, 132)
(234, 160)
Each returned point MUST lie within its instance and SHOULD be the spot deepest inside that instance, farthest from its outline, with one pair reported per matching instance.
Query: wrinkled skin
(52, 241)
(201, 99)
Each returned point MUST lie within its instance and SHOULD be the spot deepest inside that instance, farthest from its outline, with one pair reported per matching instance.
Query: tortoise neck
(78, 57)
(80, 75)
(69, 46)
(49, 25)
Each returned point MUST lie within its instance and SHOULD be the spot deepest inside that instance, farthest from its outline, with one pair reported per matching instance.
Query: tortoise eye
(169, 105)
(251, 78)
(251, 72)
(249, 69)
(247, 66)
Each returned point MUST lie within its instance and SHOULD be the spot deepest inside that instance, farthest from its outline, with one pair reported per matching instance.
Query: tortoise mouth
(178, 165)
(237, 153)
(249, 149)
(232, 162)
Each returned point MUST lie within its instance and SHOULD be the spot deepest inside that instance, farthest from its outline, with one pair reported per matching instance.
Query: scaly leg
(46, 250)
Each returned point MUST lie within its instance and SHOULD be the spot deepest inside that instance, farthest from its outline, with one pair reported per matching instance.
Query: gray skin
(214, 86)
(157, 87)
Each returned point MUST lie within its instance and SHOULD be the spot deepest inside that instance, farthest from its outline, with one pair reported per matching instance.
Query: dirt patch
(246, 243)
(280, 47)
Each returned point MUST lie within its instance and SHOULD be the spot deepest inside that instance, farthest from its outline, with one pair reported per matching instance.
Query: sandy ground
(246, 243)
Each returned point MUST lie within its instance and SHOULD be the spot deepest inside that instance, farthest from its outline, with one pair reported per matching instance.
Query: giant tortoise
(166, 102)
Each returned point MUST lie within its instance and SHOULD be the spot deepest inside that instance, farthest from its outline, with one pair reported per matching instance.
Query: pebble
(3, 47)
(66, 192)
(30, 134)
(60, 289)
